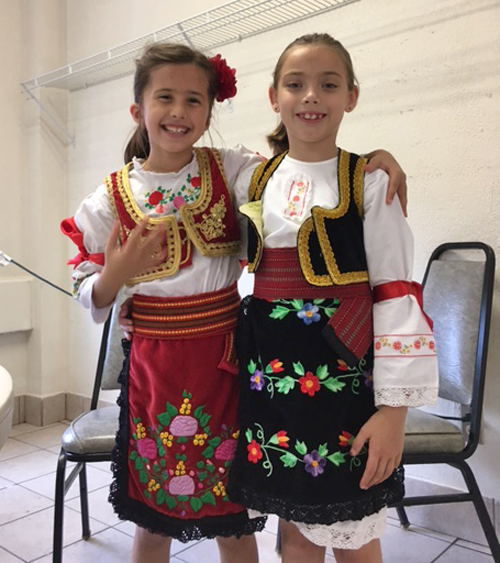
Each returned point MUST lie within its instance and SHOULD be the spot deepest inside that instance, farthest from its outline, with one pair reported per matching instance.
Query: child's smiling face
(312, 95)
(175, 109)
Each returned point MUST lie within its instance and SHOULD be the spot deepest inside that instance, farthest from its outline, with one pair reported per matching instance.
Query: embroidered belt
(350, 329)
(279, 276)
(186, 317)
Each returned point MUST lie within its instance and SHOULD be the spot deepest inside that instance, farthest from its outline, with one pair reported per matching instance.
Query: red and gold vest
(209, 223)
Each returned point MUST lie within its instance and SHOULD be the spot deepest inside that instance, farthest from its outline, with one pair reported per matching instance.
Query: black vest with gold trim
(330, 242)
(209, 223)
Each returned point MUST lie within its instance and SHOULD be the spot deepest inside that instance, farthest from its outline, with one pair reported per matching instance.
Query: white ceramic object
(6, 404)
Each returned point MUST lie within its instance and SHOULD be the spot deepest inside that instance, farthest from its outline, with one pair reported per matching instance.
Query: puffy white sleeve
(94, 219)
(405, 367)
(239, 165)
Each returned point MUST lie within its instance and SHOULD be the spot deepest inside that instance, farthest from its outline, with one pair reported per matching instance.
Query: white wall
(429, 93)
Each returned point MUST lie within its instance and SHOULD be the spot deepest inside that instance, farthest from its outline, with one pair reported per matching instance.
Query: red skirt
(178, 418)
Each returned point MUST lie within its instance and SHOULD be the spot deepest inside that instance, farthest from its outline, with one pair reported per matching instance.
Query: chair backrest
(110, 360)
(458, 292)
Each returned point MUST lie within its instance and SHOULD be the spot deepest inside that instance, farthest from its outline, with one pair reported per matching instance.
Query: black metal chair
(458, 292)
(91, 436)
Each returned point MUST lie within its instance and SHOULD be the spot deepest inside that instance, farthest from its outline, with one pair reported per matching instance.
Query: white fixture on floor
(6, 404)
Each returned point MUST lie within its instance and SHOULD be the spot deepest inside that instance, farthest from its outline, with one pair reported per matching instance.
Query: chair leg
(403, 517)
(59, 508)
(84, 502)
(482, 512)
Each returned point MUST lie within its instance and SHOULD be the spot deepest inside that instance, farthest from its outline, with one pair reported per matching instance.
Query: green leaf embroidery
(323, 450)
(163, 462)
(285, 385)
(208, 452)
(208, 498)
(204, 418)
(214, 442)
(337, 458)
(200, 465)
(252, 366)
(329, 311)
(161, 451)
(143, 476)
(164, 418)
(197, 412)
(172, 411)
(182, 498)
(318, 301)
(170, 502)
(297, 304)
(139, 464)
(298, 368)
(279, 313)
(195, 503)
(273, 439)
(289, 460)
(202, 476)
(322, 372)
(301, 447)
(269, 369)
(248, 435)
(334, 384)
(133, 455)
(160, 497)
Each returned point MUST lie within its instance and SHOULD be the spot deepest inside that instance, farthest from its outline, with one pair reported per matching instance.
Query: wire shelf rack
(228, 23)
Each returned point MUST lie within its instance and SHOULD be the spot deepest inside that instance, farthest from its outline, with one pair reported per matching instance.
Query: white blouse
(158, 194)
(405, 368)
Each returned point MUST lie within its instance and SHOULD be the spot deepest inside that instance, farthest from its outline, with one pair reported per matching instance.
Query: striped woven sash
(186, 317)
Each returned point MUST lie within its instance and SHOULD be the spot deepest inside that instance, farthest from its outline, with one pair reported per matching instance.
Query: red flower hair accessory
(226, 79)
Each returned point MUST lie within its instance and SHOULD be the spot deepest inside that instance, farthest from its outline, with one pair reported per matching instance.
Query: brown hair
(278, 139)
(154, 56)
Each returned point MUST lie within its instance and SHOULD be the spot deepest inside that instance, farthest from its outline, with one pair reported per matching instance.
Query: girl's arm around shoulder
(239, 166)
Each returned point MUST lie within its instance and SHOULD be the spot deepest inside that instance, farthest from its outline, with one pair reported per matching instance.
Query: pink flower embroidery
(147, 448)
(397, 345)
(417, 344)
(179, 201)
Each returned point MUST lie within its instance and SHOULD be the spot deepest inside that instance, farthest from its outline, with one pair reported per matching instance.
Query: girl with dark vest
(333, 346)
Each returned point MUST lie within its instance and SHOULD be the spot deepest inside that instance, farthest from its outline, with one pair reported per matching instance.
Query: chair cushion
(93, 432)
(427, 433)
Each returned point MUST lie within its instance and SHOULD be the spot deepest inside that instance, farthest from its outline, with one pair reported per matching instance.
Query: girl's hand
(141, 250)
(124, 320)
(397, 178)
(385, 432)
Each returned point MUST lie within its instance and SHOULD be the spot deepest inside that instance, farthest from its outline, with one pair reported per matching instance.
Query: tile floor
(27, 476)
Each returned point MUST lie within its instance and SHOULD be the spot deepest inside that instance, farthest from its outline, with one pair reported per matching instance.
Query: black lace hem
(232, 525)
(356, 509)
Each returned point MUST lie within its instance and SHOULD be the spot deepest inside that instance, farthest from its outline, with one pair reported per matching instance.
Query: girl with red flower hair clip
(165, 229)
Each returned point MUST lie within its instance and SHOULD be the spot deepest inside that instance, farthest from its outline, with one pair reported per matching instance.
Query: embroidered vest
(326, 256)
(209, 223)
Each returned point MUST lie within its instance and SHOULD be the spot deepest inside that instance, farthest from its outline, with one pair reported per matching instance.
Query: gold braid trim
(317, 222)
(305, 231)
(261, 176)
(172, 235)
(212, 225)
(259, 181)
(358, 187)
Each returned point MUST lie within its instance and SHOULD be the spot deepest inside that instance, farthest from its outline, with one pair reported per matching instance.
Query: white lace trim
(346, 535)
(406, 396)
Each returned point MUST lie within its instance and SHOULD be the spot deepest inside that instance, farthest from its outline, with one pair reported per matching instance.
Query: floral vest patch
(209, 223)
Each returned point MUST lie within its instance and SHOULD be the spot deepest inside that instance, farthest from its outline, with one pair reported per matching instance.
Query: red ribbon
(69, 228)
(400, 288)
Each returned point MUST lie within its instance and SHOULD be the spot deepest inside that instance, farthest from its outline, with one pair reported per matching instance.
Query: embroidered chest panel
(201, 214)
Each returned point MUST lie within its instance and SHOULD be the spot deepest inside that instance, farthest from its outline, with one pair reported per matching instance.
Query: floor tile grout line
(442, 553)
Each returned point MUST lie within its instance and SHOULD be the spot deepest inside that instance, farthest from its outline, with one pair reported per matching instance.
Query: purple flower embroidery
(257, 381)
(368, 375)
(309, 314)
(314, 463)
